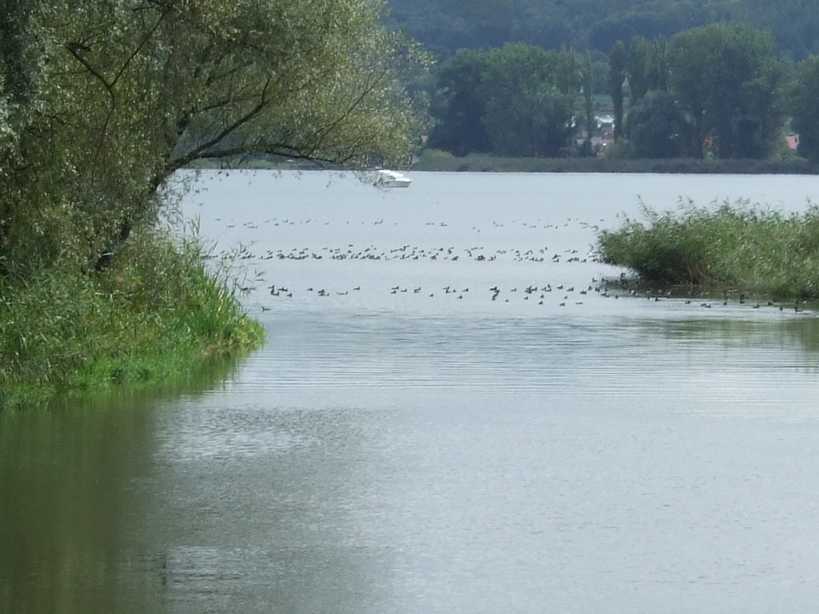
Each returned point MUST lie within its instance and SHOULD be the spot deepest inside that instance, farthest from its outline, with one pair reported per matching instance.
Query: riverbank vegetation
(729, 248)
(439, 160)
(155, 315)
(101, 104)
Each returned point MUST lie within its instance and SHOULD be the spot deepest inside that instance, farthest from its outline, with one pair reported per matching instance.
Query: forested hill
(447, 25)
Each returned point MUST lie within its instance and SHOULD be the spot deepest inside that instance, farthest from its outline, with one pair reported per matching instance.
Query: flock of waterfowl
(415, 253)
(565, 295)
(257, 282)
(281, 222)
(533, 291)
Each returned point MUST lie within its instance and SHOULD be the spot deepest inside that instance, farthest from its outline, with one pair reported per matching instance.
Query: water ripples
(339, 360)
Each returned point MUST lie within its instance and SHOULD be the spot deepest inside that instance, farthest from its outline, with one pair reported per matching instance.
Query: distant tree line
(446, 26)
(720, 91)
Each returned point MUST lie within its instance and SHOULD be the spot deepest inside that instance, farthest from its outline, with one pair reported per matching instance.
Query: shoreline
(480, 163)
(144, 372)
(443, 162)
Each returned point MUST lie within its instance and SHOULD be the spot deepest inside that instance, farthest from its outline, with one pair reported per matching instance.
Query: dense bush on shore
(727, 248)
(155, 316)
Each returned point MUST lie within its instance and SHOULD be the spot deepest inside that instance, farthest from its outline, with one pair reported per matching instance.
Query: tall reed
(732, 246)
(157, 313)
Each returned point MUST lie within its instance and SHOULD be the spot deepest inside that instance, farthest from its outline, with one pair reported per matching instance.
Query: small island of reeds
(732, 247)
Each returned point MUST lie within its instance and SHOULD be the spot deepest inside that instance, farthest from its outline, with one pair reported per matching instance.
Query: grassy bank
(436, 160)
(731, 248)
(155, 317)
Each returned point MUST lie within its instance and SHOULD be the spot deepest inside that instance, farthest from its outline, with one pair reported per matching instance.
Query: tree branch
(272, 149)
(198, 152)
(148, 35)
(349, 111)
(74, 49)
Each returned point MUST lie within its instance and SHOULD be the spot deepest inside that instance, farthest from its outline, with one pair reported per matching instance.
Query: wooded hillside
(447, 25)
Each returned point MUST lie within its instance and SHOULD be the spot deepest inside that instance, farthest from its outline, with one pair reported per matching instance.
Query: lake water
(402, 447)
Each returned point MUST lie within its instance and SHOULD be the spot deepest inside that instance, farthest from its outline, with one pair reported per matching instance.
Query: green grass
(736, 248)
(157, 316)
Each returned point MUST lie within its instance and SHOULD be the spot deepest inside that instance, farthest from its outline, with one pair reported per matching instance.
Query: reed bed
(731, 247)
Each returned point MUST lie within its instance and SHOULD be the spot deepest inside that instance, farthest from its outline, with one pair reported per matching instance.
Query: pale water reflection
(406, 453)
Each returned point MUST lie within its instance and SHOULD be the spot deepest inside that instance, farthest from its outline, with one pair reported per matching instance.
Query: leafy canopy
(805, 108)
(103, 101)
(727, 78)
(515, 100)
(448, 25)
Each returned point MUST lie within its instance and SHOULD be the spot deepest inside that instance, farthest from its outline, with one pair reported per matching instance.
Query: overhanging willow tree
(120, 94)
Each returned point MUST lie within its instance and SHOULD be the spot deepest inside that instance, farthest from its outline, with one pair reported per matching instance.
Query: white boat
(391, 179)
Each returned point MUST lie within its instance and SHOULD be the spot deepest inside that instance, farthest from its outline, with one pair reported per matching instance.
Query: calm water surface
(397, 447)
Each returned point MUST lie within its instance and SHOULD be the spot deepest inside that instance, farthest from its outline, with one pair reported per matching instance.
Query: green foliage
(587, 77)
(647, 66)
(617, 77)
(449, 25)
(616, 160)
(459, 105)
(656, 127)
(805, 107)
(727, 80)
(515, 100)
(155, 315)
(101, 102)
(119, 95)
(717, 88)
(728, 247)
(529, 96)
(599, 73)
(435, 159)
(794, 23)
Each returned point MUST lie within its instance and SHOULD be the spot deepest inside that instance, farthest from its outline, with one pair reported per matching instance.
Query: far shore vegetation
(100, 104)
(732, 248)
(722, 91)
(438, 160)
(444, 26)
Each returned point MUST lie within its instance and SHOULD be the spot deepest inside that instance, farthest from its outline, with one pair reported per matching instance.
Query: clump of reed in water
(728, 247)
